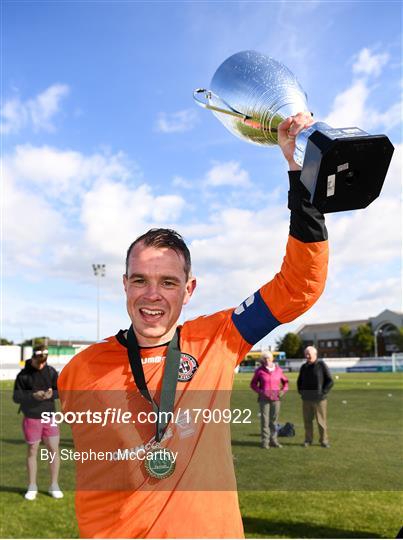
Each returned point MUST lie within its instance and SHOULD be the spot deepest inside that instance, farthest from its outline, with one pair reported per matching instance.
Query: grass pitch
(352, 490)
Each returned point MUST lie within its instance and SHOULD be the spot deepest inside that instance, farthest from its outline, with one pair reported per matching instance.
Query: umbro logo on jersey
(248, 302)
(153, 360)
(187, 367)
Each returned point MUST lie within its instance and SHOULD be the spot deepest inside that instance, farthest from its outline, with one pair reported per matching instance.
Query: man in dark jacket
(313, 383)
(35, 389)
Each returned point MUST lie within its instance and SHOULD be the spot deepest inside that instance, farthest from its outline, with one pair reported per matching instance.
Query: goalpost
(397, 362)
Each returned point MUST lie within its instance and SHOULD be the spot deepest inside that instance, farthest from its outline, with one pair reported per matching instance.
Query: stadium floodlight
(99, 271)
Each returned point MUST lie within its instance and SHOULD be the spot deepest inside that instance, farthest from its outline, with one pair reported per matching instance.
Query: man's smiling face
(156, 288)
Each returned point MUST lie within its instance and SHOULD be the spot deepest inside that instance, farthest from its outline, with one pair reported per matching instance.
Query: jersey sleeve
(20, 393)
(54, 376)
(255, 382)
(327, 379)
(302, 277)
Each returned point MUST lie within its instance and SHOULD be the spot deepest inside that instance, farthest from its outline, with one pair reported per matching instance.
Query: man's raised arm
(302, 277)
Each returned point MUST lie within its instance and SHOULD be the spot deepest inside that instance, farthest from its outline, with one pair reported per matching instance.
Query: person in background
(35, 389)
(271, 384)
(313, 383)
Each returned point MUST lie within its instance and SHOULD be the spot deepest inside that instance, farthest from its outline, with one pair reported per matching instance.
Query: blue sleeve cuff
(253, 319)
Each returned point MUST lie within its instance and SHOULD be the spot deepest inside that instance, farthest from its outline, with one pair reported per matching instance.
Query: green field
(352, 490)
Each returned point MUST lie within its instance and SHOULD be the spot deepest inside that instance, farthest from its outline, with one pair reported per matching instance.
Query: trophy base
(345, 173)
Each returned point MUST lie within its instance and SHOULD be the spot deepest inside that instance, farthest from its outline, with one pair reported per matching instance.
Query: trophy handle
(207, 95)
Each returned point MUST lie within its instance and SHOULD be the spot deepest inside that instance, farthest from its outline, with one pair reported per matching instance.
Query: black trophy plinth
(343, 172)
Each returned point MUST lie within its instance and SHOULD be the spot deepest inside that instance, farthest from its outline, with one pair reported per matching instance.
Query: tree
(291, 344)
(4, 341)
(364, 339)
(397, 338)
(36, 341)
(345, 333)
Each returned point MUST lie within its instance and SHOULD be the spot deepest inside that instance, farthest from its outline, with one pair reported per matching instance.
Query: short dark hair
(163, 238)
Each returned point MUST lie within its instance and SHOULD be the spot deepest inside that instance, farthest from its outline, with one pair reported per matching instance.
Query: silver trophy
(251, 94)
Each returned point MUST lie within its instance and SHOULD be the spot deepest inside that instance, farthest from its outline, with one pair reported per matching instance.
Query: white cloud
(287, 23)
(14, 116)
(177, 122)
(388, 119)
(365, 235)
(228, 173)
(36, 113)
(392, 187)
(178, 181)
(63, 172)
(113, 215)
(30, 224)
(39, 315)
(368, 63)
(58, 316)
(353, 107)
(348, 107)
(388, 288)
(64, 209)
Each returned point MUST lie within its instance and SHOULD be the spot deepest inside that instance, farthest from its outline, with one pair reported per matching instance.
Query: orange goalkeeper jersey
(115, 498)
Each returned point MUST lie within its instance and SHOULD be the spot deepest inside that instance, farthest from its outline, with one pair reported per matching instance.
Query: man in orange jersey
(159, 366)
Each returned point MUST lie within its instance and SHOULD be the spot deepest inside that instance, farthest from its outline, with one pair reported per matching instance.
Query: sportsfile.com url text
(113, 415)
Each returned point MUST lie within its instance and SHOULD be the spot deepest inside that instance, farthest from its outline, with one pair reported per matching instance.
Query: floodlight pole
(376, 332)
(99, 271)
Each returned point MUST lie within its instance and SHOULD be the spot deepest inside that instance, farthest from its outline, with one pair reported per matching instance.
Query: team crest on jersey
(187, 367)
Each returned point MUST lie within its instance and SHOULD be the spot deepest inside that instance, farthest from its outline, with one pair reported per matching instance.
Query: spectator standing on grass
(35, 389)
(313, 383)
(271, 384)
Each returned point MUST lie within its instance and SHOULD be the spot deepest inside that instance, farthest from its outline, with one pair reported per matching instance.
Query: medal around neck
(343, 168)
(160, 463)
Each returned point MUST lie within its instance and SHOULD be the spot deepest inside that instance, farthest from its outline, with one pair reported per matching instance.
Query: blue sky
(101, 140)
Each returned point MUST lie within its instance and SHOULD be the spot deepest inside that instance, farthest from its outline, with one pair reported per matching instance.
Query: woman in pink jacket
(271, 384)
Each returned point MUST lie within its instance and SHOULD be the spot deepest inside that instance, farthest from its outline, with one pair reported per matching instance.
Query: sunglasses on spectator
(41, 353)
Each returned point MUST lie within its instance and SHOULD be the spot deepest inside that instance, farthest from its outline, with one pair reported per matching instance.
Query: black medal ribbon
(169, 379)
